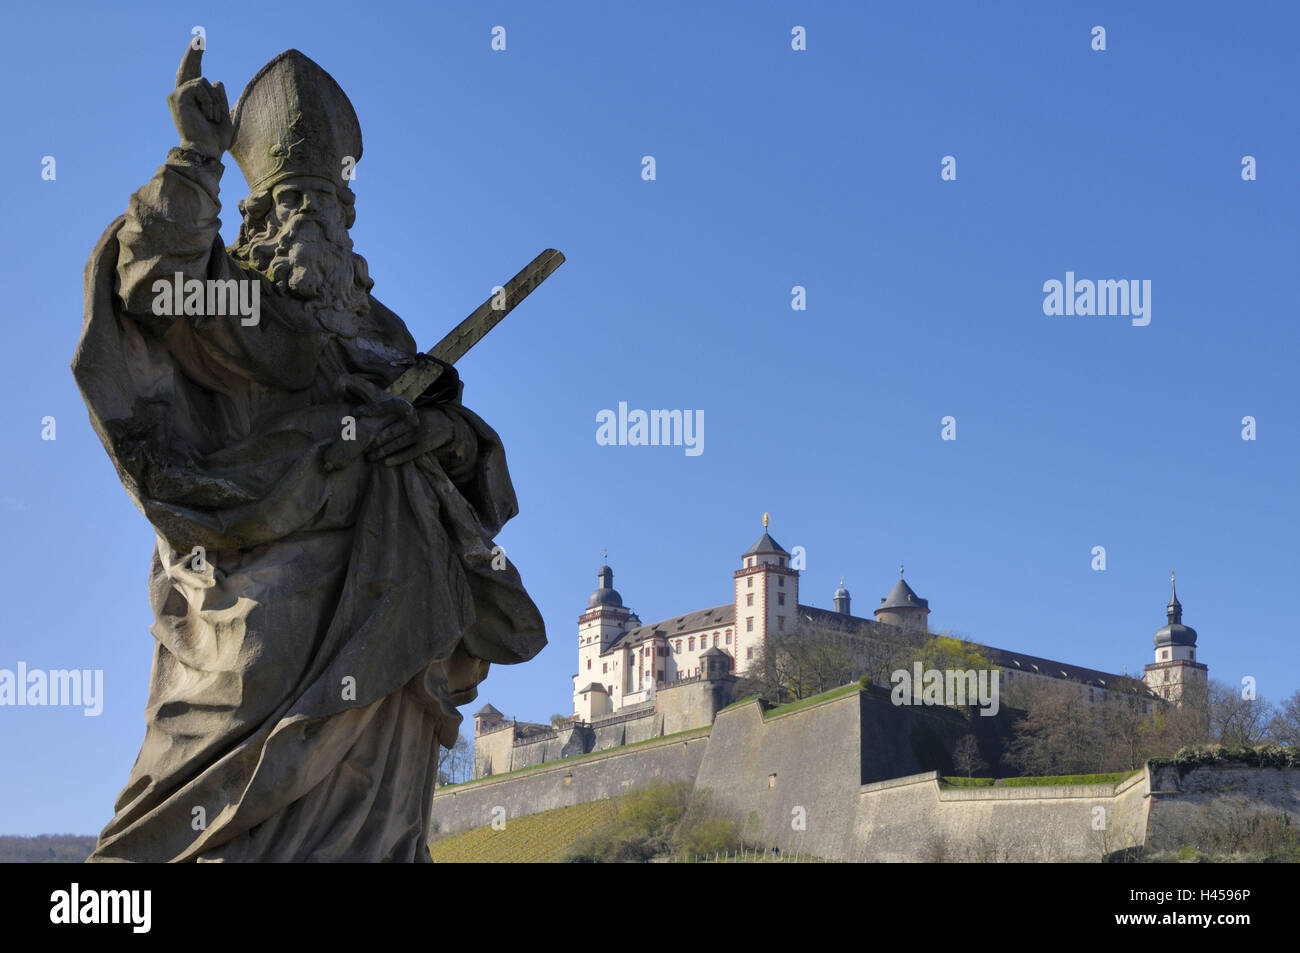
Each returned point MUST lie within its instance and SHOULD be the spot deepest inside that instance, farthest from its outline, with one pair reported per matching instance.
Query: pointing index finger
(191, 65)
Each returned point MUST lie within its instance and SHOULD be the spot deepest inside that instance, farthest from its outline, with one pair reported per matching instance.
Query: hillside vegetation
(655, 823)
(46, 848)
(534, 838)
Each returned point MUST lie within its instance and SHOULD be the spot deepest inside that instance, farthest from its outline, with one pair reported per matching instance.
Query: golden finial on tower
(765, 518)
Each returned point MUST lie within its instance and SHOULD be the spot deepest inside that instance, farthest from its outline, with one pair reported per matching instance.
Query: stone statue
(325, 585)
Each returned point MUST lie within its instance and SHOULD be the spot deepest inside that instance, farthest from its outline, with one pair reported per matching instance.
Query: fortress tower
(1175, 669)
(767, 596)
(903, 607)
(842, 599)
(605, 620)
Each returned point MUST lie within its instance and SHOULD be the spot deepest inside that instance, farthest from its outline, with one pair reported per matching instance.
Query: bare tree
(812, 659)
(1058, 734)
(966, 756)
(1284, 729)
(455, 764)
(1124, 724)
(1183, 725)
(1237, 721)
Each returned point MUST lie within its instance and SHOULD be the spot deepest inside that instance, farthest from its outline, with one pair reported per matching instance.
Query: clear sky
(775, 168)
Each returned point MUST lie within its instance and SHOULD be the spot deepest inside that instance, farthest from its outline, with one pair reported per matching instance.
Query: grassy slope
(535, 838)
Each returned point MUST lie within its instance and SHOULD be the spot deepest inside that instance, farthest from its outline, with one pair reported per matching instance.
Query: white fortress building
(636, 681)
(622, 662)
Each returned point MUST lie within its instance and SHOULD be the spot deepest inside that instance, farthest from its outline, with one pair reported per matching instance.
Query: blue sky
(775, 168)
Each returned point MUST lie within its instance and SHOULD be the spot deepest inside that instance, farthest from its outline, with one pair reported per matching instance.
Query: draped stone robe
(306, 669)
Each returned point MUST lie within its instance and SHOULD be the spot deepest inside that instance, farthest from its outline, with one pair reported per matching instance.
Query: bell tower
(1175, 670)
(604, 621)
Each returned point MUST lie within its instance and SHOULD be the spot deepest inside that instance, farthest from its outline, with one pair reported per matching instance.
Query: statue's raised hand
(199, 108)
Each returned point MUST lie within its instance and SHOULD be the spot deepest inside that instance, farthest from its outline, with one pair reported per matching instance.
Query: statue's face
(297, 236)
(304, 197)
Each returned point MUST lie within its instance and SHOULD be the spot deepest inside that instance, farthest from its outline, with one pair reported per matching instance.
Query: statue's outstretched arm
(172, 223)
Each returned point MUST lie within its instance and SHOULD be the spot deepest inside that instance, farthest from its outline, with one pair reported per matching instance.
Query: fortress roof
(594, 687)
(487, 710)
(1004, 659)
(681, 625)
(902, 597)
(765, 544)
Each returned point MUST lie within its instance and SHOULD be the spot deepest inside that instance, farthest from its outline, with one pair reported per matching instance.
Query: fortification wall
(801, 767)
(688, 704)
(493, 752)
(809, 781)
(562, 783)
(901, 740)
(623, 730)
(1214, 799)
(565, 743)
(914, 819)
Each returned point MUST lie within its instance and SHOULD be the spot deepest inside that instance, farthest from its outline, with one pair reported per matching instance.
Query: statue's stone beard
(311, 259)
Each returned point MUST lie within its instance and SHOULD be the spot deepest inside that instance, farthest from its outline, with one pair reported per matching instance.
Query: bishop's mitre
(293, 119)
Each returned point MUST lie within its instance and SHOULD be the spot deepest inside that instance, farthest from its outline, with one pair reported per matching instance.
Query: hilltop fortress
(848, 774)
(636, 682)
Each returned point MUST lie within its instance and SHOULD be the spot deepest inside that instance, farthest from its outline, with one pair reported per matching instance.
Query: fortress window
(780, 580)
(588, 663)
(780, 622)
(750, 581)
(749, 652)
(780, 598)
(690, 644)
(749, 599)
(677, 646)
(604, 668)
(728, 636)
(749, 625)
(715, 640)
